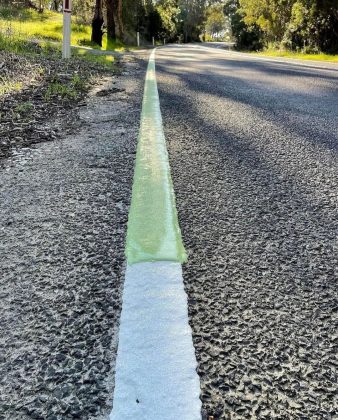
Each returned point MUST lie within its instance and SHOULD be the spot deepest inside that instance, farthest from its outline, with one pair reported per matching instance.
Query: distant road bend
(253, 152)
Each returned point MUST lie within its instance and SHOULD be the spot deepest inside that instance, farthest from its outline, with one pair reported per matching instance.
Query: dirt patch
(41, 95)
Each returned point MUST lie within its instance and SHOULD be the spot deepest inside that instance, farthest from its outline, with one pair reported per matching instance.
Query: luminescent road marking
(153, 230)
(156, 375)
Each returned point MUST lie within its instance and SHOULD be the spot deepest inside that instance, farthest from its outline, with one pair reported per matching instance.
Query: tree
(216, 23)
(111, 27)
(97, 23)
(272, 16)
(294, 24)
(191, 18)
(247, 37)
(169, 13)
(119, 19)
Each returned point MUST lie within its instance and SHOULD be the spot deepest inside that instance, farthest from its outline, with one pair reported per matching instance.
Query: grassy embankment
(299, 56)
(22, 29)
(29, 33)
(40, 92)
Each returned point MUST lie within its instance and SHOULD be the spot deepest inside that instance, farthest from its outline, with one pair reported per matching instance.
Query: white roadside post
(138, 39)
(153, 41)
(67, 13)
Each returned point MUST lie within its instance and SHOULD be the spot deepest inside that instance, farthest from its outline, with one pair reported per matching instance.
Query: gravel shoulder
(40, 95)
(64, 207)
(253, 153)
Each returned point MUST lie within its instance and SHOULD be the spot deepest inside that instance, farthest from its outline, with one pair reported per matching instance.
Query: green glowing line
(153, 229)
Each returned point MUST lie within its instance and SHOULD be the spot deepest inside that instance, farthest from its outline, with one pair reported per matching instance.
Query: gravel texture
(253, 150)
(63, 209)
(33, 108)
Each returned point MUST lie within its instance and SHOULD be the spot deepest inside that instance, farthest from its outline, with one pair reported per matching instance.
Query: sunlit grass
(302, 56)
(41, 26)
(69, 90)
(9, 86)
(20, 26)
(105, 60)
(109, 45)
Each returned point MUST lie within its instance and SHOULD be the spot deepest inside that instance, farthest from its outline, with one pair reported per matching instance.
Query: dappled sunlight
(46, 26)
(242, 118)
(260, 74)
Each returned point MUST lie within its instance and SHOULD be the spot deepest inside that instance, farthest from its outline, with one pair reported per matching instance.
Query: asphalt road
(253, 152)
(63, 216)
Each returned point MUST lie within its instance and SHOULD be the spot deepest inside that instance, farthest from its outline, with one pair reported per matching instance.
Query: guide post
(67, 13)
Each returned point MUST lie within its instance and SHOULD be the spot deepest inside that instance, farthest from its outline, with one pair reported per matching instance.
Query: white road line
(156, 375)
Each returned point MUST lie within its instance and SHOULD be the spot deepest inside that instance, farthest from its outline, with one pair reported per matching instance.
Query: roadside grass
(19, 27)
(106, 61)
(301, 56)
(22, 111)
(107, 45)
(36, 81)
(72, 89)
(8, 86)
(25, 24)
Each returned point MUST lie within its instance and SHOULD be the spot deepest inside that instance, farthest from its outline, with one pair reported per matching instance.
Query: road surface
(253, 151)
(253, 155)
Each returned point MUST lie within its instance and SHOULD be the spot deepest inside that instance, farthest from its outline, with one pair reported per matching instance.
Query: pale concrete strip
(156, 375)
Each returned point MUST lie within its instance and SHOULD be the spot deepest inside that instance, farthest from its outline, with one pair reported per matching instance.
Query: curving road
(253, 150)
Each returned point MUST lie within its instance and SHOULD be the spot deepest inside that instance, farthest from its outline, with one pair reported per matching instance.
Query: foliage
(248, 37)
(311, 25)
(9, 86)
(216, 25)
(28, 24)
(191, 19)
(169, 13)
(296, 25)
(70, 90)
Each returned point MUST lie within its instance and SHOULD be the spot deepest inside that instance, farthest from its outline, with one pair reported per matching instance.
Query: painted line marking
(156, 376)
(153, 230)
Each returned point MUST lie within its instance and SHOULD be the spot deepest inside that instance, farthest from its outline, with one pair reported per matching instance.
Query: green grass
(21, 26)
(107, 45)
(23, 111)
(9, 86)
(105, 60)
(30, 24)
(69, 90)
(23, 108)
(302, 56)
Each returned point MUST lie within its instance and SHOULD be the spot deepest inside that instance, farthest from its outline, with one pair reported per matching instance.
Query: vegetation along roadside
(39, 92)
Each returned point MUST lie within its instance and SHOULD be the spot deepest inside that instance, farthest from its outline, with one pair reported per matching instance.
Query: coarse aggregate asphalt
(253, 151)
(64, 208)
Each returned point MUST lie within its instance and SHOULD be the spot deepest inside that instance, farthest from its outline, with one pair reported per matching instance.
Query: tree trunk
(29, 3)
(111, 28)
(119, 19)
(97, 23)
(56, 5)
